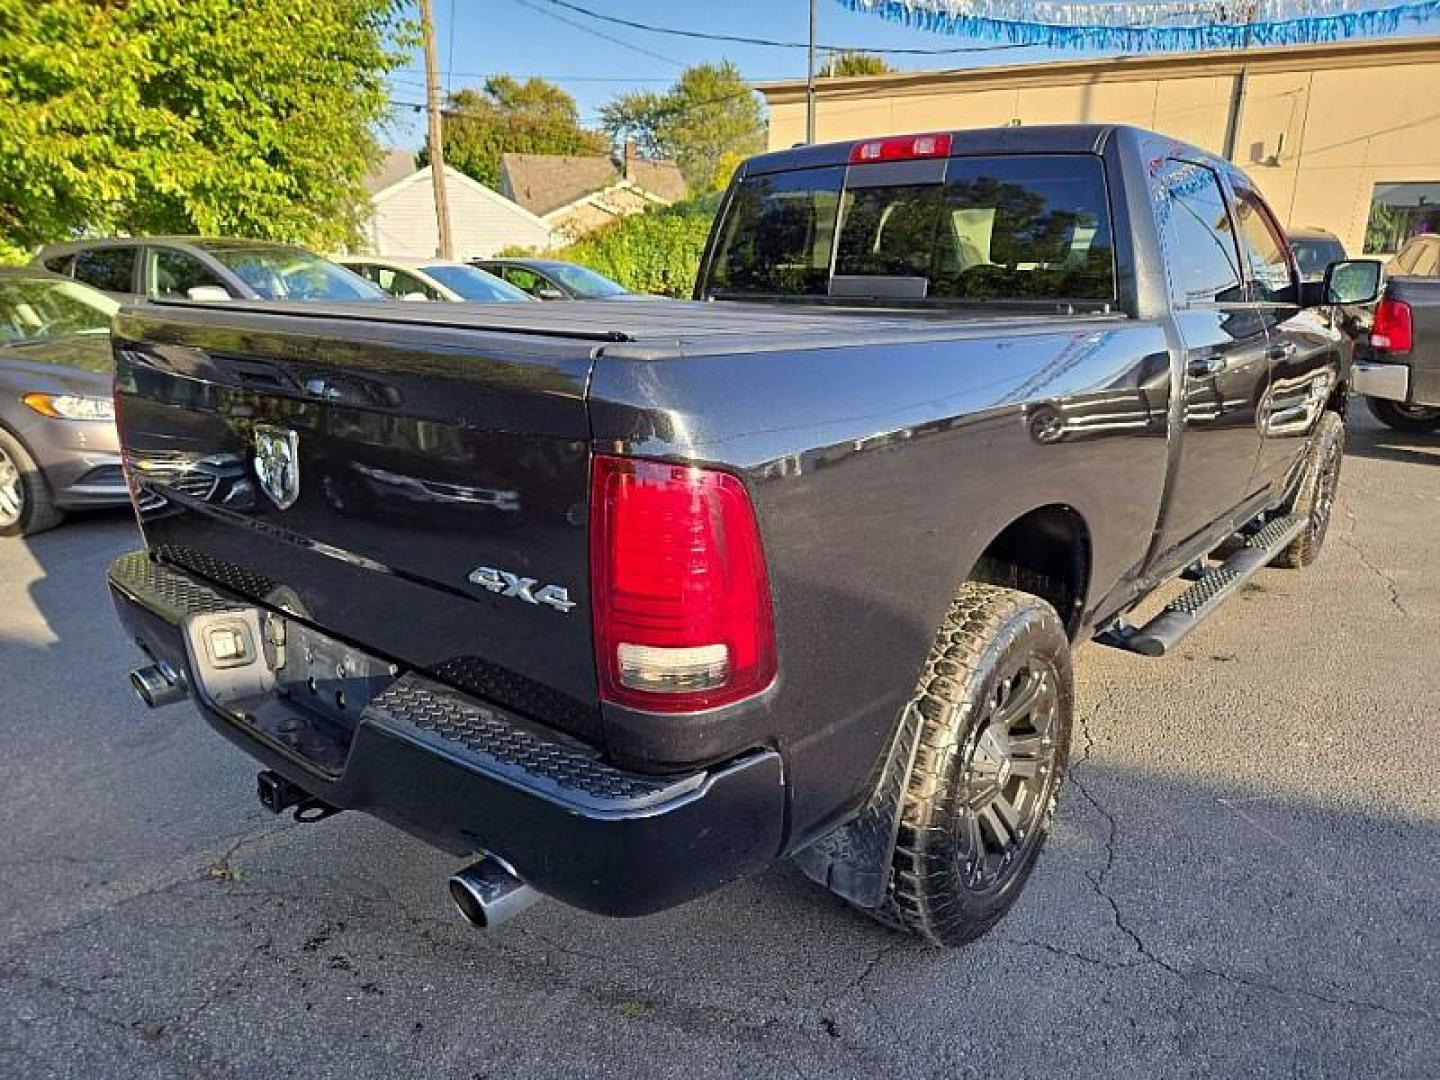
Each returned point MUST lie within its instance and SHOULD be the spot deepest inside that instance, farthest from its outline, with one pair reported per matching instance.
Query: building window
(1400, 211)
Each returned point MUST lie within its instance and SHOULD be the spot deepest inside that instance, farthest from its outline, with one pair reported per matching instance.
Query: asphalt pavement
(1243, 881)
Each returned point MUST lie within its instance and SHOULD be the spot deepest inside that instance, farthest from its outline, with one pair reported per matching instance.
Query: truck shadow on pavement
(1169, 922)
(153, 920)
(1383, 444)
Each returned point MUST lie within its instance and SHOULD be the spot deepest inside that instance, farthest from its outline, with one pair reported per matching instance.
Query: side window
(109, 269)
(395, 282)
(402, 284)
(522, 279)
(61, 264)
(365, 270)
(1265, 249)
(174, 273)
(1200, 252)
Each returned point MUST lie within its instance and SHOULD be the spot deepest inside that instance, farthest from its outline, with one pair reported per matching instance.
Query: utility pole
(810, 80)
(433, 140)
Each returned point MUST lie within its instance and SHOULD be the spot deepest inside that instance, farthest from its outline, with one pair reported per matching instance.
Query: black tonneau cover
(652, 329)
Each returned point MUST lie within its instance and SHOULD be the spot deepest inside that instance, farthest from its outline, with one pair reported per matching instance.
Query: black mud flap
(854, 860)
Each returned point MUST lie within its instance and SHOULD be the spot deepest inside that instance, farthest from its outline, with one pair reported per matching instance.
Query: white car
(432, 279)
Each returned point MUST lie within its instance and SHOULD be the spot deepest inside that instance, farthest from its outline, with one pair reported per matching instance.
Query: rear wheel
(996, 701)
(1402, 417)
(25, 504)
(1316, 497)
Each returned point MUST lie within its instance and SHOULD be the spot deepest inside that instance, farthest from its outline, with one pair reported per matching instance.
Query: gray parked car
(204, 268)
(58, 449)
(553, 279)
(432, 279)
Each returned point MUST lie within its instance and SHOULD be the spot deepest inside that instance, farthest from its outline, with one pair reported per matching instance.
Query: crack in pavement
(1098, 880)
(1348, 539)
(122, 898)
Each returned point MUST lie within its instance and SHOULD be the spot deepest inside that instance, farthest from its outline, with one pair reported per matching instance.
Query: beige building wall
(1318, 126)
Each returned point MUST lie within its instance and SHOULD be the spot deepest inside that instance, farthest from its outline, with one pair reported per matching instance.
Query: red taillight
(901, 148)
(1393, 330)
(681, 598)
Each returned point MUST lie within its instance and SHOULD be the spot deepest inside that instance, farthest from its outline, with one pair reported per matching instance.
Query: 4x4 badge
(277, 464)
(522, 588)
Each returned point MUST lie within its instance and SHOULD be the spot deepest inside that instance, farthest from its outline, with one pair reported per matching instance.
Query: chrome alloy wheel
(12, 491)
(1007, 776)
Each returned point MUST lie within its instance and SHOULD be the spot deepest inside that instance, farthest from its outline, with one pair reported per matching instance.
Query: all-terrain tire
(1316, 497)
(998, 649)
(26, 483)
(1412, 419)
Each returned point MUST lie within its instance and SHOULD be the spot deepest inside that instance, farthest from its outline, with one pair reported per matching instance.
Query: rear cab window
(1024, 228)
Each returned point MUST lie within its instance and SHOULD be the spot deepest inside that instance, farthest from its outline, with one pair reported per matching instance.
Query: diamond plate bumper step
(468, 775)
(1208, 593)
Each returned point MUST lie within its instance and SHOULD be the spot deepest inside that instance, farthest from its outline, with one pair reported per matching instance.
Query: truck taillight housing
(1393, 329)
(680, 595)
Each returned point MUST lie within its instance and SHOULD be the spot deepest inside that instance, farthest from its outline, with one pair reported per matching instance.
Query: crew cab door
(1304, 350)
(1224, 348)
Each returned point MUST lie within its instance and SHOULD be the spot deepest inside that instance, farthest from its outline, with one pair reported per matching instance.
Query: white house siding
(482, 221)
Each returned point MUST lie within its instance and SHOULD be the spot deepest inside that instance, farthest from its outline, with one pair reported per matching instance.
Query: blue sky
(534, 37)
(488, 36)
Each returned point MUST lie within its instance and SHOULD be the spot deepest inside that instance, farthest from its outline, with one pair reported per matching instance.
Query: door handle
(1203, 367)
(1283, 351)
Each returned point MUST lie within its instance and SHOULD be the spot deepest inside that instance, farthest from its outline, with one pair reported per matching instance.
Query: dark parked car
(795, 570)
(58, 447)
(1315, 249)
(1397, 359)
(553, 279)
(204, 268)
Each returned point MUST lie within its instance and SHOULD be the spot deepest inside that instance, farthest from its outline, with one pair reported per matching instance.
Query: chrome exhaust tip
(487, 893)
(155, 688)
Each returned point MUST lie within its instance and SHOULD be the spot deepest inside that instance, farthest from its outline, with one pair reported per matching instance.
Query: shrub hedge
(655, 252)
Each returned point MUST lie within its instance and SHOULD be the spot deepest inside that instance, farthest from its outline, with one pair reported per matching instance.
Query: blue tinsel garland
(1168, 27)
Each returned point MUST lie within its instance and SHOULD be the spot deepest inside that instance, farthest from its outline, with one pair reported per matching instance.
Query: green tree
(242, 117)
(709, 119)
(857, 63)
(507, 116)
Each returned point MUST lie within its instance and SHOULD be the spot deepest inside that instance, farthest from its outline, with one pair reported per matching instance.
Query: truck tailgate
(416, 489)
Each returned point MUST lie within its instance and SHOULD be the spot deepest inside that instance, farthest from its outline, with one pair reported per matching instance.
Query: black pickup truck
(1397, 351)
(632, 600)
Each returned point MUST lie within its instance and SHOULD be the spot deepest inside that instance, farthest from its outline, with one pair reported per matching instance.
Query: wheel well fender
(1046, 552)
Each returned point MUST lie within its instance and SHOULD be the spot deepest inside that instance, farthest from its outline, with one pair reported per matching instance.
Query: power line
(738, 39)
(599, 33)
